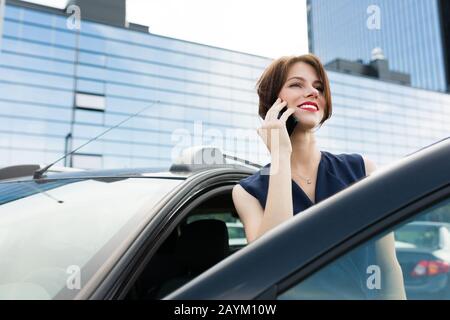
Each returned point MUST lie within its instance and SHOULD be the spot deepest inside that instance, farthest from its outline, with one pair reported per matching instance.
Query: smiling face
(296, 79)
(304, 91)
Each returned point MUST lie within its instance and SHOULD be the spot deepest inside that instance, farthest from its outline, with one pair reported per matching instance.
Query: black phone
(291, 122)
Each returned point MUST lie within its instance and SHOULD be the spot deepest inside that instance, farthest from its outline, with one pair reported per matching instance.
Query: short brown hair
(274, 77)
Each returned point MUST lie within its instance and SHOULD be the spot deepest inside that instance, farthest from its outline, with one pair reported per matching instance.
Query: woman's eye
(320, 89)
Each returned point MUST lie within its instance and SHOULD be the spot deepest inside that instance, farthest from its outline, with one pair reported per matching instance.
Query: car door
(414, 273)
(197, 189)
(340, 226)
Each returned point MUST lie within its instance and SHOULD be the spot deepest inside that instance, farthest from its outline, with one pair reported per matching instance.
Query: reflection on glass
(47, 228)
(410, 261)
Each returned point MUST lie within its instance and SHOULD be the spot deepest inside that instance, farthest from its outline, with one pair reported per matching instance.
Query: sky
(269, 28)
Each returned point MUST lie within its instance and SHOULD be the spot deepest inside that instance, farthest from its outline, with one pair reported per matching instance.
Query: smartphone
(291, 122)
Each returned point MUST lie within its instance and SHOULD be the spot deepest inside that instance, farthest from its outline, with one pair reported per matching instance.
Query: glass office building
(383, 120)
(411, 33)
(53, 96)
(60, 87)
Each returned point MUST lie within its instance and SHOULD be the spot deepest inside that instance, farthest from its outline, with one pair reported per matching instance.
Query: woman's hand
(273, 130)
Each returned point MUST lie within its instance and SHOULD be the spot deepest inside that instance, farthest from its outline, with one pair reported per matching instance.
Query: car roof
(129, 172)
(191, 161)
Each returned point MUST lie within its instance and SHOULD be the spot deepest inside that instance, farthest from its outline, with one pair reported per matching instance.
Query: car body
(425, 259)
(95, 226)
(152, 234)
(236, 234)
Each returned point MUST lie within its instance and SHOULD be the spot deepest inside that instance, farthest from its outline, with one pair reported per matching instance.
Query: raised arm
(279, 207)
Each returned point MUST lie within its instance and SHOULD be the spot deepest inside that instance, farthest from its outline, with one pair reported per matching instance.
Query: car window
(236, 233)
(55, 237)
(405, 261)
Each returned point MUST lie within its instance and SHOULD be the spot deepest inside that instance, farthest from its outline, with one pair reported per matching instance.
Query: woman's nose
(312, 92)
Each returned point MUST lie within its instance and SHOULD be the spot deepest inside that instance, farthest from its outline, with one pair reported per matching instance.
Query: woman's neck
(305, 154)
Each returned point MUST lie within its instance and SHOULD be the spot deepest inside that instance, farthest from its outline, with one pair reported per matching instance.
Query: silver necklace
(308, 180)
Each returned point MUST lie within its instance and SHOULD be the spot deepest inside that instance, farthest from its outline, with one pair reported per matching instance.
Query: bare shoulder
(239, 193)
(249, 210)
(369, 165)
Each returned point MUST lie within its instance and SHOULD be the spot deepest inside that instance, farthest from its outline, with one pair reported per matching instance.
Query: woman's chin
(306, 125)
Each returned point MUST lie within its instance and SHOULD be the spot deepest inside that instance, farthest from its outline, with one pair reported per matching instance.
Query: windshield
(53, 242)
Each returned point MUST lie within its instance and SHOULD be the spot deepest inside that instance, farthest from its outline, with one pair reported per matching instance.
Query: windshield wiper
(39, 173)
(44, 193)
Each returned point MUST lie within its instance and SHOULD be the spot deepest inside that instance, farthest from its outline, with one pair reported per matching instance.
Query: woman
(299, 174)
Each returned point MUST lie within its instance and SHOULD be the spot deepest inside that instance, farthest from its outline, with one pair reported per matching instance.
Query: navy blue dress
(335, 173)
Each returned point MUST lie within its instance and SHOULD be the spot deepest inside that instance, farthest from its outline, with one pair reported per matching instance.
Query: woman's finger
(269, 111)
(273, 112)
(286, 114)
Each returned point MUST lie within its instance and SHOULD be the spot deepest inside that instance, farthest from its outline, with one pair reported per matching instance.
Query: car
(156, 233)
(315, 254)
(77, 234)
(236, 234)
(423, 251)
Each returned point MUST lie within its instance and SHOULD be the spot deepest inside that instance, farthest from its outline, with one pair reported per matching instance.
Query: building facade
(60, 86)
(382, 119)
(413, 34)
